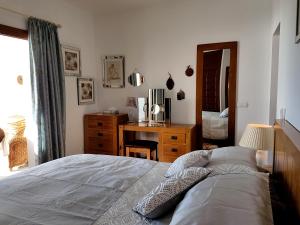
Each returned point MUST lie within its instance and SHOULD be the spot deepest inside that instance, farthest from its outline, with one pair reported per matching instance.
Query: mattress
(213, 126)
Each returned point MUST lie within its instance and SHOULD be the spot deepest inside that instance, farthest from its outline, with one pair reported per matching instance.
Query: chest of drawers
(101, 133)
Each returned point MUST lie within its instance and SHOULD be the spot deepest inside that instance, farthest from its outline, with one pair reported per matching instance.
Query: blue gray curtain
(48, 89)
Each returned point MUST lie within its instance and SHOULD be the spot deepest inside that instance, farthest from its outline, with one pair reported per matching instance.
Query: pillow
(169, 192)
(226, 200)
(233, 155)
(223, 169)
(198, 158)
(224, 114)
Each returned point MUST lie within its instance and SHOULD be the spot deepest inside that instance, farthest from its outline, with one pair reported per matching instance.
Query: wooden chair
(2, 135)
(18, 154)
(142, 147)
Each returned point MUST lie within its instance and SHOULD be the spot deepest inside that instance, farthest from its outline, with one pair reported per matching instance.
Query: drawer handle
(100, 134)
(100, 124)
(100, 145)
(174, 137)
(174, 150)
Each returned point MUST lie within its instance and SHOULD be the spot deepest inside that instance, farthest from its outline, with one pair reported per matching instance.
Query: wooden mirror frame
(232, 90)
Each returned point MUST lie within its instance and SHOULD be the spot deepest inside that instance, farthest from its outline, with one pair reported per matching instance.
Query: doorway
(274, 75)
(15, 101)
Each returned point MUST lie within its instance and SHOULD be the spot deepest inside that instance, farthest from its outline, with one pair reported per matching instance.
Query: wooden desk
(174, 140)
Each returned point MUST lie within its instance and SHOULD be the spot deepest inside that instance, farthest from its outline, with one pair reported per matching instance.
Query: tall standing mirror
(216, 94)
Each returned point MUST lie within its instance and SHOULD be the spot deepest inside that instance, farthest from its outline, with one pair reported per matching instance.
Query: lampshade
(258, 136)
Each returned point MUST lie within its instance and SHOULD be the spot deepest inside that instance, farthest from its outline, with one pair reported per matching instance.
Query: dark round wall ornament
(180, 95)
(170, 82)
(189, 71)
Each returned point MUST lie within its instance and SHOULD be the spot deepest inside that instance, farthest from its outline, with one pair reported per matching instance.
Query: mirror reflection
(216, 70)
(136, 79)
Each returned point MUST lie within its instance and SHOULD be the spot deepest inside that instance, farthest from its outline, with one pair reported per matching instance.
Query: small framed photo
(114, 72)
(71, 60)
(298, 23)
(85, 89)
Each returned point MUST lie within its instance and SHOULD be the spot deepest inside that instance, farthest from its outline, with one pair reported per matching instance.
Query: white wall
(289, 56)
(163, 38)
(274, 76)
(77, 30)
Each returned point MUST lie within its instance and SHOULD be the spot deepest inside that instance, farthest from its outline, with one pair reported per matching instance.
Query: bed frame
(287, 159)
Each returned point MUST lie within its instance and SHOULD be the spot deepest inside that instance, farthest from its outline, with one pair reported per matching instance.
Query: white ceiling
(112, 6)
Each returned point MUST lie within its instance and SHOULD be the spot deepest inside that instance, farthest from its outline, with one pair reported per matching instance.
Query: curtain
(48, 89)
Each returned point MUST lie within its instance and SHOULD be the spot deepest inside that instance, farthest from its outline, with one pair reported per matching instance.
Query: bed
(102, 190)
(214, 126)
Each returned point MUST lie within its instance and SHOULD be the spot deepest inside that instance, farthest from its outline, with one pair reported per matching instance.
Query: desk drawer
(105, 123)
(174, 150)
(99, 146)
(173, 138)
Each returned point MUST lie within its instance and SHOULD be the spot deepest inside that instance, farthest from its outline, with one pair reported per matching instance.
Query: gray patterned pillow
(169, 192)
(228, 168)
(198, 158)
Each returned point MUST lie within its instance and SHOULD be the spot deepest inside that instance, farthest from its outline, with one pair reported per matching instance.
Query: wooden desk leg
(121, 141)
(160, 148)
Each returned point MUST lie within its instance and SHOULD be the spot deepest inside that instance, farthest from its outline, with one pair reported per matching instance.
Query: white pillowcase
(198, 158)
(224, 114)
(236, 155)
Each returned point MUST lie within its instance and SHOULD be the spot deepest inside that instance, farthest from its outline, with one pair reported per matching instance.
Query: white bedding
(75, 190)
(102, 190)
(213, 126)
(227, 199)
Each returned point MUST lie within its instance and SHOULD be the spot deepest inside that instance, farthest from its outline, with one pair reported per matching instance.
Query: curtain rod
(25, 15)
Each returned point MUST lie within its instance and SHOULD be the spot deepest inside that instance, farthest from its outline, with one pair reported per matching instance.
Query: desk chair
(142, 147)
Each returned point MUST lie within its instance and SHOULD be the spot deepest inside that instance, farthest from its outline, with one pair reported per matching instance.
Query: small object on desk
(131, 103)
(111, 111)
(107, 112)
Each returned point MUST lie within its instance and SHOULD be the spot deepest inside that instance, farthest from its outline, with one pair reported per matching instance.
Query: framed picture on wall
(298, 23)
(85, 91)
(114, 72)
(71, 60)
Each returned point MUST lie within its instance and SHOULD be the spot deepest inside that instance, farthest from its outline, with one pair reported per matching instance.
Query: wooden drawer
(105, 123)
(173, 138)
(174, 150)
(100, 133)
(96, 145)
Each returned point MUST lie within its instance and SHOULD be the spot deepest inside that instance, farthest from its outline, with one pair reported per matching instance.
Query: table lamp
(261, 138)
